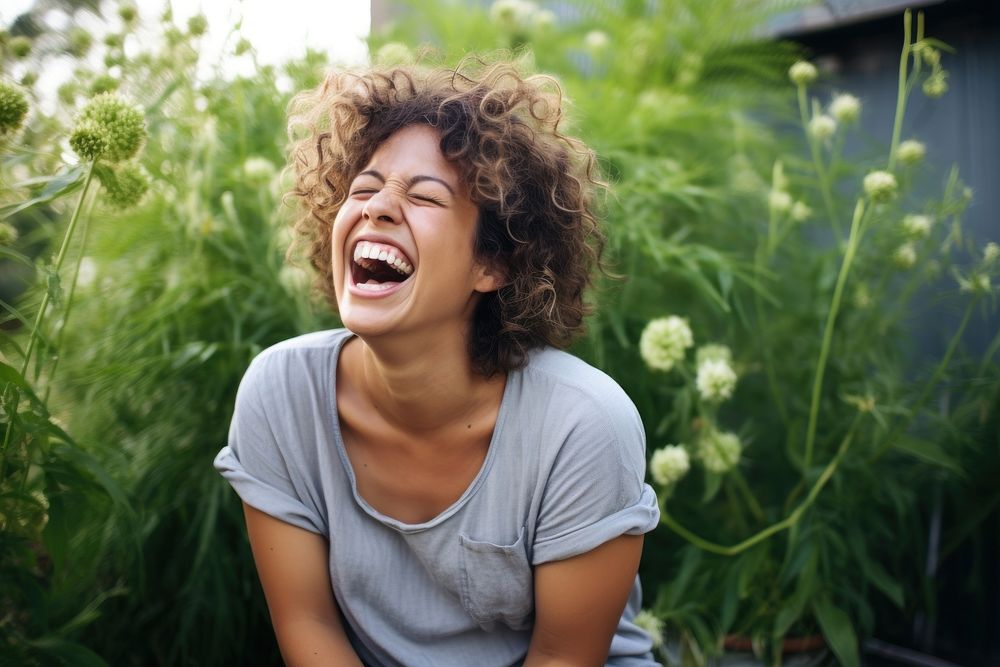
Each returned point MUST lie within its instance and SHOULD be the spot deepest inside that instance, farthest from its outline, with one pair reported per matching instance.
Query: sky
(278, 29)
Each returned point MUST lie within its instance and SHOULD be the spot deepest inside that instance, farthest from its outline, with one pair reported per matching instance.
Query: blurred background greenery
(731, 210)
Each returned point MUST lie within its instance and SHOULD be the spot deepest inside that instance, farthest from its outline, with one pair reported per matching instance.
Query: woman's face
(403, 242)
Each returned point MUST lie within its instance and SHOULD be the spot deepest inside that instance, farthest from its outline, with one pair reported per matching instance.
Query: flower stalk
(824, 353)
(788, 522)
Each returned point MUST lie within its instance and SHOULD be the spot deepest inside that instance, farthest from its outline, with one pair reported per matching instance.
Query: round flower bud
(197, 25)
(79, 42)
(880, 186)
(8, 234)
(669, 464)
(917, 225)
(258, 170)
(990, 253)
(910, 152)
(596, 41)
(513, 15)
(544, 20)
(822, 127)
(114, 40)
(88, 140)
(802, 73)
(122, 124)
(173, 36)
(105, 83)
(977, 283)
(716, 380)
(13, 108)
(394, 53)
(719, 452)
(905, 256)
(128, 185)
(845, 108)
(801, 211)
(128, 13)
(243, 45)
(653, 626)
(929, 54)
(664, 342)
(779, 201)
(29, 79)
(67, 92)
(713, 352)
(19, 46)
(294, 279)
(936, 85)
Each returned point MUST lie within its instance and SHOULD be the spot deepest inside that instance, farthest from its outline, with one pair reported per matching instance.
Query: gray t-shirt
(562, 475)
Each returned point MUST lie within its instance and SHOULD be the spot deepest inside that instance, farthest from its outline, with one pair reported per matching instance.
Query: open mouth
(379, 267)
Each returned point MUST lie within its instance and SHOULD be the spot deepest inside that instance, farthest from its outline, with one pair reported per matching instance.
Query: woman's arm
(293, 569)
(578, 603)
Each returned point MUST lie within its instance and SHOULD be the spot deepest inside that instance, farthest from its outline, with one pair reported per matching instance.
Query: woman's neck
(422, 388)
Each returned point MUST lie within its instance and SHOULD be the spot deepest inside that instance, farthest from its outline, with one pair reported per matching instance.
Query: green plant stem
(33, 338)
(14, 398)
(904, 58)
(744, 489)
(904, 422)
(824, 353)
(788, 522)
(821, 173)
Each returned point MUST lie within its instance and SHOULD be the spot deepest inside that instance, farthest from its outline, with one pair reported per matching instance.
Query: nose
(382, 207)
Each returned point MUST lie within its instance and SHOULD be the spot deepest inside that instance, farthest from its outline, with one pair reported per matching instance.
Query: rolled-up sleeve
(253, 461)
(595, 490)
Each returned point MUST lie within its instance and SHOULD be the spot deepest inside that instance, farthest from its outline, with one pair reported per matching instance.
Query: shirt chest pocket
(497, 583)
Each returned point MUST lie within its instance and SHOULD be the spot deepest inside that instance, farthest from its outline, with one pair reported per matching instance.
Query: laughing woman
(438, 483)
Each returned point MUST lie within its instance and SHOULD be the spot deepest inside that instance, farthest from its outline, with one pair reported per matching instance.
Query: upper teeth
(382, 253)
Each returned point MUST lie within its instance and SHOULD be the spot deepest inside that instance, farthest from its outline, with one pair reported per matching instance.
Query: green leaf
(883, 581)
(792, 609)
(927, 451)
(837, 630)
(52, 187)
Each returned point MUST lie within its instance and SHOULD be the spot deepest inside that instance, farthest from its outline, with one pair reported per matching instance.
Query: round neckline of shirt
(477, 482)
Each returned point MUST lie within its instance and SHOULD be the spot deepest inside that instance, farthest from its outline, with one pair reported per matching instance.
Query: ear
(489, 277)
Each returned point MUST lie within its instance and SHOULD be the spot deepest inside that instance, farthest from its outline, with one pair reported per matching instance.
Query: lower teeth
(376, 287)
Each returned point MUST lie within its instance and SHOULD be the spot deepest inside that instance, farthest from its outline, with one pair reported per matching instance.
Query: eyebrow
(413, 181)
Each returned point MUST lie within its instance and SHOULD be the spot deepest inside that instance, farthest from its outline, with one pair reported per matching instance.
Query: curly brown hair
(534, 186)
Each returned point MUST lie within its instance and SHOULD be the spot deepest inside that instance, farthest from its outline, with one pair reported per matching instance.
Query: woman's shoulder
(575, 389)
(296, 359)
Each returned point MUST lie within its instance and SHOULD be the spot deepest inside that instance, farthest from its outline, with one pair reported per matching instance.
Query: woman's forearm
(310, 642)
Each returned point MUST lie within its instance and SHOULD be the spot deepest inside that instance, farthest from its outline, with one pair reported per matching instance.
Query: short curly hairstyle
(535, 187)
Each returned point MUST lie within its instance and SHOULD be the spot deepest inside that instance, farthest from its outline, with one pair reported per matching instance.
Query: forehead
(415, 149)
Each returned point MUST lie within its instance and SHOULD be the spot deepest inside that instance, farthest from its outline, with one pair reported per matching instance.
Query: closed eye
(428, 198)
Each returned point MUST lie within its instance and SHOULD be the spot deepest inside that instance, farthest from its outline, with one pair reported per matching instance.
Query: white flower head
(716, 380)
(977, 283)
(664, 342)
(87, 273)
(801, 211)
(259, 170)
(918, 226)
(394, 53)
(513, 15)
(905, 256)
(802, 73)
(712, 352)
(294, 279)
(669, 464)
(910, 152)
(880, 186)
(991, 252)
(652, 624)
(822, 127)
(779, 201)
(845, 108)
(596, 41)
(719, 452)
(544, 19)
